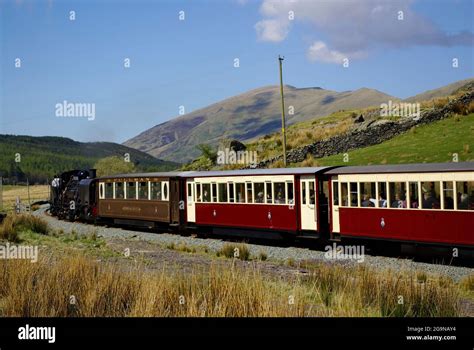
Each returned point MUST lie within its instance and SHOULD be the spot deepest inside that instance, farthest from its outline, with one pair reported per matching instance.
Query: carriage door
(307, 202)
(191, 209)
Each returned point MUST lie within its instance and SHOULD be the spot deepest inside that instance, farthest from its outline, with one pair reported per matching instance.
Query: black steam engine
(73, 195)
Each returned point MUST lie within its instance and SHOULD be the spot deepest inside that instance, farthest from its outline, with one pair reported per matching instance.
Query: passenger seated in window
(399, 202)
(382, 202)
(429, 202)
(464, 202)
(279, 199)
(259, 198)
(366, 202)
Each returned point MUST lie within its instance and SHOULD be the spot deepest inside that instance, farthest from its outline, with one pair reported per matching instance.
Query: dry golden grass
(13, 224)
(10, 193)
(76, 286)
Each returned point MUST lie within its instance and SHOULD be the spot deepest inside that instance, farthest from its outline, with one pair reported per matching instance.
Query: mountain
(40, 158)
(439, 92)
(247, 116)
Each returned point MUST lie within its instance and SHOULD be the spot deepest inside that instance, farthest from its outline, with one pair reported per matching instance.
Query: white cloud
(353, 28)
(319, 51)
(272, 30)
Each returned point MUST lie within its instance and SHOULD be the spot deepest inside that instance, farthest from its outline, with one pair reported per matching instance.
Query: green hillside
(431, 143)
(42, 157)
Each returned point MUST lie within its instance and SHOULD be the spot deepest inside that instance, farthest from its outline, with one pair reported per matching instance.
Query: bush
(8, 230)
(14, 224)
(239, 251)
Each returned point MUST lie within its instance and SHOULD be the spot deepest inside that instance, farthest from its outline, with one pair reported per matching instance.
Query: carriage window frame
(198, 191)
(140, 197)
(165, 193)
(206, 187)
(109, 190)
(461, 186)
(154, 186)
(240, 189)
(222, 192)
(444, 202)
(116, 186)
(426, 188)
(277, 184)
(214, 192)
(127, 195)
(335, 193)
(256, 192)
(290, 193)
(249, 192)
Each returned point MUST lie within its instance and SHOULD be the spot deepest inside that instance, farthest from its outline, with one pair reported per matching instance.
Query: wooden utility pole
(283, 126)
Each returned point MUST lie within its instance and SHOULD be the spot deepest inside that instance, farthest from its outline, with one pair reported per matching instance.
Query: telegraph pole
(283, 126)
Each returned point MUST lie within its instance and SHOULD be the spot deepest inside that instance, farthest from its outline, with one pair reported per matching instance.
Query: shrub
(239, 251)
(14, 224)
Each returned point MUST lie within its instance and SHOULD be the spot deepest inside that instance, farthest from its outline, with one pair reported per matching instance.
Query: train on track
(412, 204)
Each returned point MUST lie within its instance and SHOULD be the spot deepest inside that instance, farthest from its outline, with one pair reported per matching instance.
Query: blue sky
(190, 63)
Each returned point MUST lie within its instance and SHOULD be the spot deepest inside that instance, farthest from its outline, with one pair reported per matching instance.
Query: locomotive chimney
(92, 173)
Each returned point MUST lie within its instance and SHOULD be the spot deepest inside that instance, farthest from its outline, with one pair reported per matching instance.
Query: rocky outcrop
(371, 132)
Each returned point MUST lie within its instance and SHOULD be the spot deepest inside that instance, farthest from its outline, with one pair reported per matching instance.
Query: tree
(113, 165)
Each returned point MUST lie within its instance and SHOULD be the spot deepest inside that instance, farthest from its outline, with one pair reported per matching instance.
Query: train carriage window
(249, 192)
(131, 190)
(344, 195)
(119, 190)
(335, 192)
(206, 193)
(214, 192)
(231, 192)
(398, 195)
(382, 200)
(465, 195)
(367, 195)
(312, 192)
(198, 193)
(143, 190)
(448, 195)
(268, 191)
(190, 193)
(303, 192)
(101, 190)
(413, 200)
(165, 190)
(353, 194)
(431, 195)
(109, 190)
(222, 193)
(240, 192)
(289, 191)
(279, 192)
(259, 190)
(155, 191)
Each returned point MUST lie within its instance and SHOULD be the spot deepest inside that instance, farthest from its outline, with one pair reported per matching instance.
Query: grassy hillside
(42, 157)
(431, 143)
(245, 117)
(440, 92)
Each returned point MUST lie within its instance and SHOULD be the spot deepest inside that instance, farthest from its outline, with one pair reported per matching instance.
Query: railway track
(276, 252)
